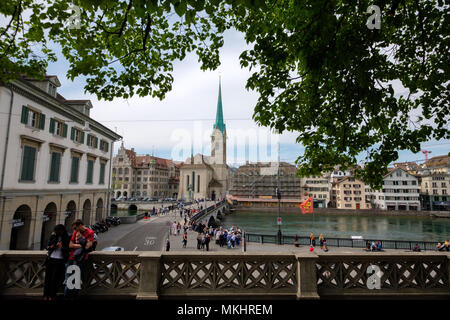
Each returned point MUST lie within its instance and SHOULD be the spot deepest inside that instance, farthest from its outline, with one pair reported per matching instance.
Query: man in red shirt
(81, 241)
(81, 235)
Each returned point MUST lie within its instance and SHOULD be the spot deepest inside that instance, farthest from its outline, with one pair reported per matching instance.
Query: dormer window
(51, 89)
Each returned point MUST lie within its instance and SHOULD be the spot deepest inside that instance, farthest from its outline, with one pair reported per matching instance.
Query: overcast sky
(186, 116)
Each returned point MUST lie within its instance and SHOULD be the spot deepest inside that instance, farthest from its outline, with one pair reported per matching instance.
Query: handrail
(207, 210)
(343, 242)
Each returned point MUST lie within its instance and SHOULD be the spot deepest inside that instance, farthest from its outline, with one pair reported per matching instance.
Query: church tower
(219, 135)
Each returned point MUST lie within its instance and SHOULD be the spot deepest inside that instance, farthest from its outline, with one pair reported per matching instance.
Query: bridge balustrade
(280, 275)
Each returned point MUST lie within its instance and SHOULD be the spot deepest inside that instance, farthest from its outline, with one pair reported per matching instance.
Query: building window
(52, 89)
(58, 127)
(198, 183)
(28, 163)
(77, 135)
(104, 145)
(92, 141)
(32, 118)
(55, 165)
(74, 169)
(90, 171)
(102, 173)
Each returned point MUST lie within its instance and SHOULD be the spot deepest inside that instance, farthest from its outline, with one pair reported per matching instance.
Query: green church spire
(219, 124)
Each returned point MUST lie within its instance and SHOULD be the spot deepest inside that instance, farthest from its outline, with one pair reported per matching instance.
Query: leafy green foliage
(317, 67)
(321, 72)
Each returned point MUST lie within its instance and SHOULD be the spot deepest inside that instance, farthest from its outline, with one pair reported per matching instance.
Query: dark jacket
(51, 246)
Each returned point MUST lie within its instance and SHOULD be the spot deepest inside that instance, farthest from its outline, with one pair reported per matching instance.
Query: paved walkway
(177, 245)
(159, 225)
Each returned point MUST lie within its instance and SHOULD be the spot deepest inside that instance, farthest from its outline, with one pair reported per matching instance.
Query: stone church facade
(207, 176)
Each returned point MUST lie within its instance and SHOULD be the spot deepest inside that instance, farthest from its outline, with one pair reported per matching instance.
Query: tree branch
(10, 22)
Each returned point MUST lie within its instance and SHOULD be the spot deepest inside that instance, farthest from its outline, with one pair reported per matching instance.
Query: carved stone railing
(155, 275)
(399, 274)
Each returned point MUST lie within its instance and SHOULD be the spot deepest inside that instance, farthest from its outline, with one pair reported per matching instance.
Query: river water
(343, 226)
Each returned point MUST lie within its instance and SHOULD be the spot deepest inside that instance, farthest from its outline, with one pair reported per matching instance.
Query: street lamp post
(279, 218)
(279, 197)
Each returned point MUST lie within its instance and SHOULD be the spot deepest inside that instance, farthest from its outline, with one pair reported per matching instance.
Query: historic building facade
(260, 180)
(435, 184)
(143, 175)
(207, 176)
(400, 191)
(318, 187)
(349, 193)
(55, 163)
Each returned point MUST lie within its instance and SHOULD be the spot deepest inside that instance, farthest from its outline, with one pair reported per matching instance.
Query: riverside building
(55, 163)
(144, 175)
(400, 191)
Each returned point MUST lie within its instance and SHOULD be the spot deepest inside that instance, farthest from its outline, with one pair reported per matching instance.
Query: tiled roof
(438, 161)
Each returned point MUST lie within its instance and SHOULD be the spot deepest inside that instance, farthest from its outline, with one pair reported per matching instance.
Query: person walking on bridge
(312, 240)
(185, 239)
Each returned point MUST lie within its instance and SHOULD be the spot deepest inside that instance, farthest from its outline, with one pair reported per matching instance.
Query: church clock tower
(219, 135)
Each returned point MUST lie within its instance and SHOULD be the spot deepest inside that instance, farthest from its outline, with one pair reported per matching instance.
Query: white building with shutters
(400, 191)
(55, 163)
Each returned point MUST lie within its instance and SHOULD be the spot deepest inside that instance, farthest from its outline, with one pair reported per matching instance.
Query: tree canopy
(320, 71)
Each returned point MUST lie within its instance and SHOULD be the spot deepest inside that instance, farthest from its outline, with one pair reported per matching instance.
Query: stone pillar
(150, 276)
(307, 276)
(36, 224)
(5, 223)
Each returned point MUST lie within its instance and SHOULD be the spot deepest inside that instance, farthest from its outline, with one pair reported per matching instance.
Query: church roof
(219, 124)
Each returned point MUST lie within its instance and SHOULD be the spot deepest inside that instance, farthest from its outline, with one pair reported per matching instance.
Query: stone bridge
(280, 275)
(217, 211)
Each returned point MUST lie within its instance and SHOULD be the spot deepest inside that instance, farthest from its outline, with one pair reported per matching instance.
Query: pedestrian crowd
(373, 246)
(223, 237)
